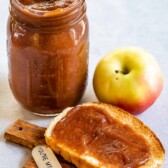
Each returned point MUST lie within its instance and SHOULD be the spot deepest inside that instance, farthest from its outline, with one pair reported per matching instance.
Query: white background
(113, 24)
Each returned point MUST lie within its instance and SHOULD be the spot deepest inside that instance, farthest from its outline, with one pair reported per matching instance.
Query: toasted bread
(86, 157)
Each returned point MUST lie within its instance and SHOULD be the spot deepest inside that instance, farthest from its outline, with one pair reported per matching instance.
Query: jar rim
(67, 17)
(43, 14)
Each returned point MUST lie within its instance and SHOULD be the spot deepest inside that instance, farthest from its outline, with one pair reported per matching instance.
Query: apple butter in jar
(48, 50)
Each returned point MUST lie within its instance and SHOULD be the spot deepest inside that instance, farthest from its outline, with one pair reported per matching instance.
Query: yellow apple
(129, 78)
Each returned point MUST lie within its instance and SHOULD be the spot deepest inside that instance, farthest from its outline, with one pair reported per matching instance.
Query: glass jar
(48, 46)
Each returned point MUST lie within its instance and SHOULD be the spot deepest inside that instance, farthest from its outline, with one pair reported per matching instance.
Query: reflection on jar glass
(47, 53)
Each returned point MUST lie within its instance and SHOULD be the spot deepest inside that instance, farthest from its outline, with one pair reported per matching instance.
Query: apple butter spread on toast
(103, 136)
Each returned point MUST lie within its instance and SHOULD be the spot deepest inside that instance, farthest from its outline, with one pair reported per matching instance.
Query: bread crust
(156, 148)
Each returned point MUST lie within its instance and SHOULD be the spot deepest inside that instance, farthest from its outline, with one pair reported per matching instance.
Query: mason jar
(48, 47)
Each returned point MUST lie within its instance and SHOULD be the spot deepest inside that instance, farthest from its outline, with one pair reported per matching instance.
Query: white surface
(113, 24)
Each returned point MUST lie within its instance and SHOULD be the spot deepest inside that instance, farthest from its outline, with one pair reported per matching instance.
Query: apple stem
(125, 71)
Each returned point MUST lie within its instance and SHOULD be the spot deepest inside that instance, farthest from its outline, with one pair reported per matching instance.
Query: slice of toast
(98, 135)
